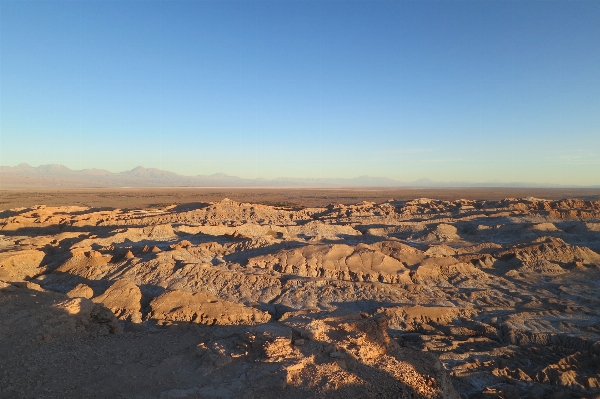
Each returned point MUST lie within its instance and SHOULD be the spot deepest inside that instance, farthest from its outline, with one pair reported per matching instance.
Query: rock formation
(422, 299)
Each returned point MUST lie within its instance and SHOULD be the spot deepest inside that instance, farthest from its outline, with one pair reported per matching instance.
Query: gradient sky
(446, 90)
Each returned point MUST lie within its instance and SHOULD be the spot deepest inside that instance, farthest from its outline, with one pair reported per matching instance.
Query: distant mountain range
(60, 176)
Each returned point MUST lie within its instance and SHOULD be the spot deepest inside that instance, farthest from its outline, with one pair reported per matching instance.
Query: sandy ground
(138, 197)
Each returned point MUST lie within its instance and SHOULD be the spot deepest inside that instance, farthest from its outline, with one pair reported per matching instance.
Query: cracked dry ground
(403, 299)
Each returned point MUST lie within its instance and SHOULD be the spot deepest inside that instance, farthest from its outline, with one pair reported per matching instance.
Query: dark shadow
(149, 292)
(200, 238)
(364, 227)
(241, 256)
(190, 206)
(368, 305)
(65, 282)
(276, 310)
(102, 231)
(9, 213)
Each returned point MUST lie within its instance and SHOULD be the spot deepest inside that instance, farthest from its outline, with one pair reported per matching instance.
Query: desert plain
(300, 293)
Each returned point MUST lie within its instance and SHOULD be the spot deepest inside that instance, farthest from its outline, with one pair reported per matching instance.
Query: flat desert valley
(300, 293)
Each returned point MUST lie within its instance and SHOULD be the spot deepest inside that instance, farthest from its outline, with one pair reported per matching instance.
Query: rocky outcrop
(339, 261)
(202, 308)
(18, 265)
(81, 291)
(123, 298)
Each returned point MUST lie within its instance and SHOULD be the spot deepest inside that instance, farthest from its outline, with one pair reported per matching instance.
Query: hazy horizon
(441, 90)
(140, 174)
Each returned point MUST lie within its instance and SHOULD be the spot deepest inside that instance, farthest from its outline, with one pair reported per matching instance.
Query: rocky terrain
(421, 298)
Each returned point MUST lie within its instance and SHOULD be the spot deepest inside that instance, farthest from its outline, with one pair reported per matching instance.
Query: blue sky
(446, 90)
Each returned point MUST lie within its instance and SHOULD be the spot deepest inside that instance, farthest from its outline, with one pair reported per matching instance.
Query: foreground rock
(303, 356)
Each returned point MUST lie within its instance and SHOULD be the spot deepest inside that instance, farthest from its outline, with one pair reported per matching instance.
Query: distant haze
(59, 176)
(456, 92)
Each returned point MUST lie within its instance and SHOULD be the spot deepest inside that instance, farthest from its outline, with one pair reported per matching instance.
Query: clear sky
(446, 90)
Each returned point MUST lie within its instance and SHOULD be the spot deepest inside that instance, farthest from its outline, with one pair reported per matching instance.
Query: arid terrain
(300, 293)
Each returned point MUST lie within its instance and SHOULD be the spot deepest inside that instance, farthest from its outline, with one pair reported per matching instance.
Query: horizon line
(400, 184)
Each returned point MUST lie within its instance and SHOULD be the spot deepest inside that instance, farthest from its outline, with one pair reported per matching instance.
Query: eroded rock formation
(423, 298)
